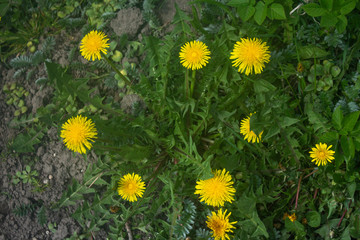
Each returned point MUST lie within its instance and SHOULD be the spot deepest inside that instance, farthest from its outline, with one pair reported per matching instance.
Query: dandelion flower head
(77, 133)
(93, 44)
(321, 154)
(194, 55)
(250, 135)
(220, 225)
(292, 217)
(216, 190)
(250, 55)
(130, 187)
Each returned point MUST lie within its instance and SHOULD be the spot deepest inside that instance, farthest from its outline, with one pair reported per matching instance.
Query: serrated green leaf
(24, 142)
(314, 219)
(41, 216)
(287, 121)
(295, 226)
(272, 132)
(100, 181)
(246, 205)
(260, 228)
(261, 85)
(314, 10)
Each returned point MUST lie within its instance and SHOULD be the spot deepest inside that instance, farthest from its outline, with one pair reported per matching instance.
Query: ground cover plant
(235, 119)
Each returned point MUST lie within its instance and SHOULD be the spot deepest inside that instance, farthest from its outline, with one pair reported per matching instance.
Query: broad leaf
(314, 10)
(314, 219)
(276, 11)
(261, 12)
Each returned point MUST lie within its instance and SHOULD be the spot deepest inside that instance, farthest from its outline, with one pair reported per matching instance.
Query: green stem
(187, 83)
(192, 83)
(127, 82)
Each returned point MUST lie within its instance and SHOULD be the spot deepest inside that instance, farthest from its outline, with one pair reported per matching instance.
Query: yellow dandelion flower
(220, 225)
(292, 217)
(194, 55)
(250, 135)
(77, 133)
(249, 55)
(130, 187)
(216, 190)
(92, 44)
(321, 154)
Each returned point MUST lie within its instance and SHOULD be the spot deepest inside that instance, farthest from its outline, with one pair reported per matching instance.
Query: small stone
(54, 154)
(47, 232)
(34, 238)
(50, 177)
(46, 181)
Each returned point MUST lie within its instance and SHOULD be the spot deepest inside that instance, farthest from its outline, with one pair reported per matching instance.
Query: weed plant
(286, 135)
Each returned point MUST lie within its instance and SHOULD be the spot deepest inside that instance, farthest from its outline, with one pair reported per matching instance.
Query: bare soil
(56, 165)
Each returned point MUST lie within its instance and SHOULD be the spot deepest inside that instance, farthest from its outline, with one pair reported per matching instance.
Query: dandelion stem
(343, 215)
(311, 173)
(316, 191)
(127, 82)
(192, 83)
(187, 83)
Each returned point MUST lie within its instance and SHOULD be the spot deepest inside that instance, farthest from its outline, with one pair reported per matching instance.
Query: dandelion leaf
(24, 142)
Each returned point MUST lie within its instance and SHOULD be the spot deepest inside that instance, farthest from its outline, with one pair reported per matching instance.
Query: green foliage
(332, 13)
(260, 10)
(26, 176)
(34, 207)
(24, 210)
(28, 63)
(23, 22)
(41, 215)
(180, 125)
(15, 95)
(24, 142)
(29, 176)
(185, 222)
